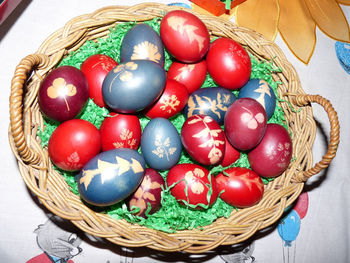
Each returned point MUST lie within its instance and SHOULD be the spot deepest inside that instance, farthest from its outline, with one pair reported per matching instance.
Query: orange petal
(330, 18)
(261, 16)
(297, 28)
(344, 2)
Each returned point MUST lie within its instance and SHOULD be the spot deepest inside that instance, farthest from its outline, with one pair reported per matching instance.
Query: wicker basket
(53, 191)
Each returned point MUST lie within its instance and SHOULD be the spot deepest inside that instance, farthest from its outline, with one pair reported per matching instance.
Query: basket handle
(303, 100)
(22, 71)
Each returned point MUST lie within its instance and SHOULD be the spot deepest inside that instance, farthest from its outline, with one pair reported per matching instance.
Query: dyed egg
(192, 185)
(228, 63)
(142, 42)
(111, 176)
(191, 75)
(231, 154)
(261, 91)
(63, 93)
(120, 131)
(95, 69)
(132, 86)
(149, 193)
(273, 154)
(73, 143)
(213, 102)
(245, 123)
(185, 36)
(161, 144)
(240, 187)
(203, 139)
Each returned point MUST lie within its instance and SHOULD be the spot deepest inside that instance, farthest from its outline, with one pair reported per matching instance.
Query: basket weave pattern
(54, 193)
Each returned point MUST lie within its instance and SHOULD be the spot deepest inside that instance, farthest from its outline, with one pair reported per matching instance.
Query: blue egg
(261, 91)
(343, 54)
(161, 144)
(213, 102)
(111, 176)
(142, 42)
(132, 86)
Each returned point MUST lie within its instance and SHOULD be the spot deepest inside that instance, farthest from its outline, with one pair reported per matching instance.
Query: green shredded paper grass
(172, 216)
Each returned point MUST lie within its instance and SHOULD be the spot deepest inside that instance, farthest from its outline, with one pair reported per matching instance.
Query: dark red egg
(195, 181)
(63, 93)
(185, 36)
(120, 131)
(245, 123)
(231, 154)
(203, 139)
(273, 154)
(240, 187)
(73, 143)
(228, 63)
(96, 68)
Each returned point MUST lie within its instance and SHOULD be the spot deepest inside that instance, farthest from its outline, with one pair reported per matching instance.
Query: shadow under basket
(53, 192)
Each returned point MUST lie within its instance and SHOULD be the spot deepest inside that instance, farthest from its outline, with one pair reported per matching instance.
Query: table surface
(324, 231)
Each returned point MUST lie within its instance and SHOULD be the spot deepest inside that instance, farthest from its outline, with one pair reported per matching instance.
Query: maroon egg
(231, 154)
(195, 181)
(245, 123)
(203, 139)
(63, 93)
(273, 154)
(148, 194)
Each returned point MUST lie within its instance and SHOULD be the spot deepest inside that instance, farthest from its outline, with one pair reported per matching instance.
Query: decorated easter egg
(185, 36)
(273, 154)
(171, 102)
(132, 86)
(73, 143)
(240, 187)
(245, 123)
(203, 139)
(261, 91)
(228, 63)
(111, 176)
(192, 75)
(213, 101)
(231, 155)
(120, 131)
(95, 69)
(148, 193)
(192, 185)
(161, 144)
(63, 93)
(142, 42)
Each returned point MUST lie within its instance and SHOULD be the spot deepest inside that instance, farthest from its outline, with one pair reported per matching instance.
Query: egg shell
(231, 154)
(203, 139)
(142, 42)
(120, 131)
(132, 86)
(148, 193)
(245, 123)
(111, 176)
(95, 69)
(63, 93)
(192, 75)
(185, 36)
(261, 91)
(213, 101)
(161, 144)
(273, 154)
(196, 181)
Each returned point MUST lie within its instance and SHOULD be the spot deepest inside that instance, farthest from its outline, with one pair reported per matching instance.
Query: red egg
(73, 143)
(231, 154)
(96, 68)
(273, 154)
(171, 102)
(191, 75)
(203, 139)
(241, 187)
(185, 36)
(120, 131)
(245, 123)
(196, 181)
(228, 63)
